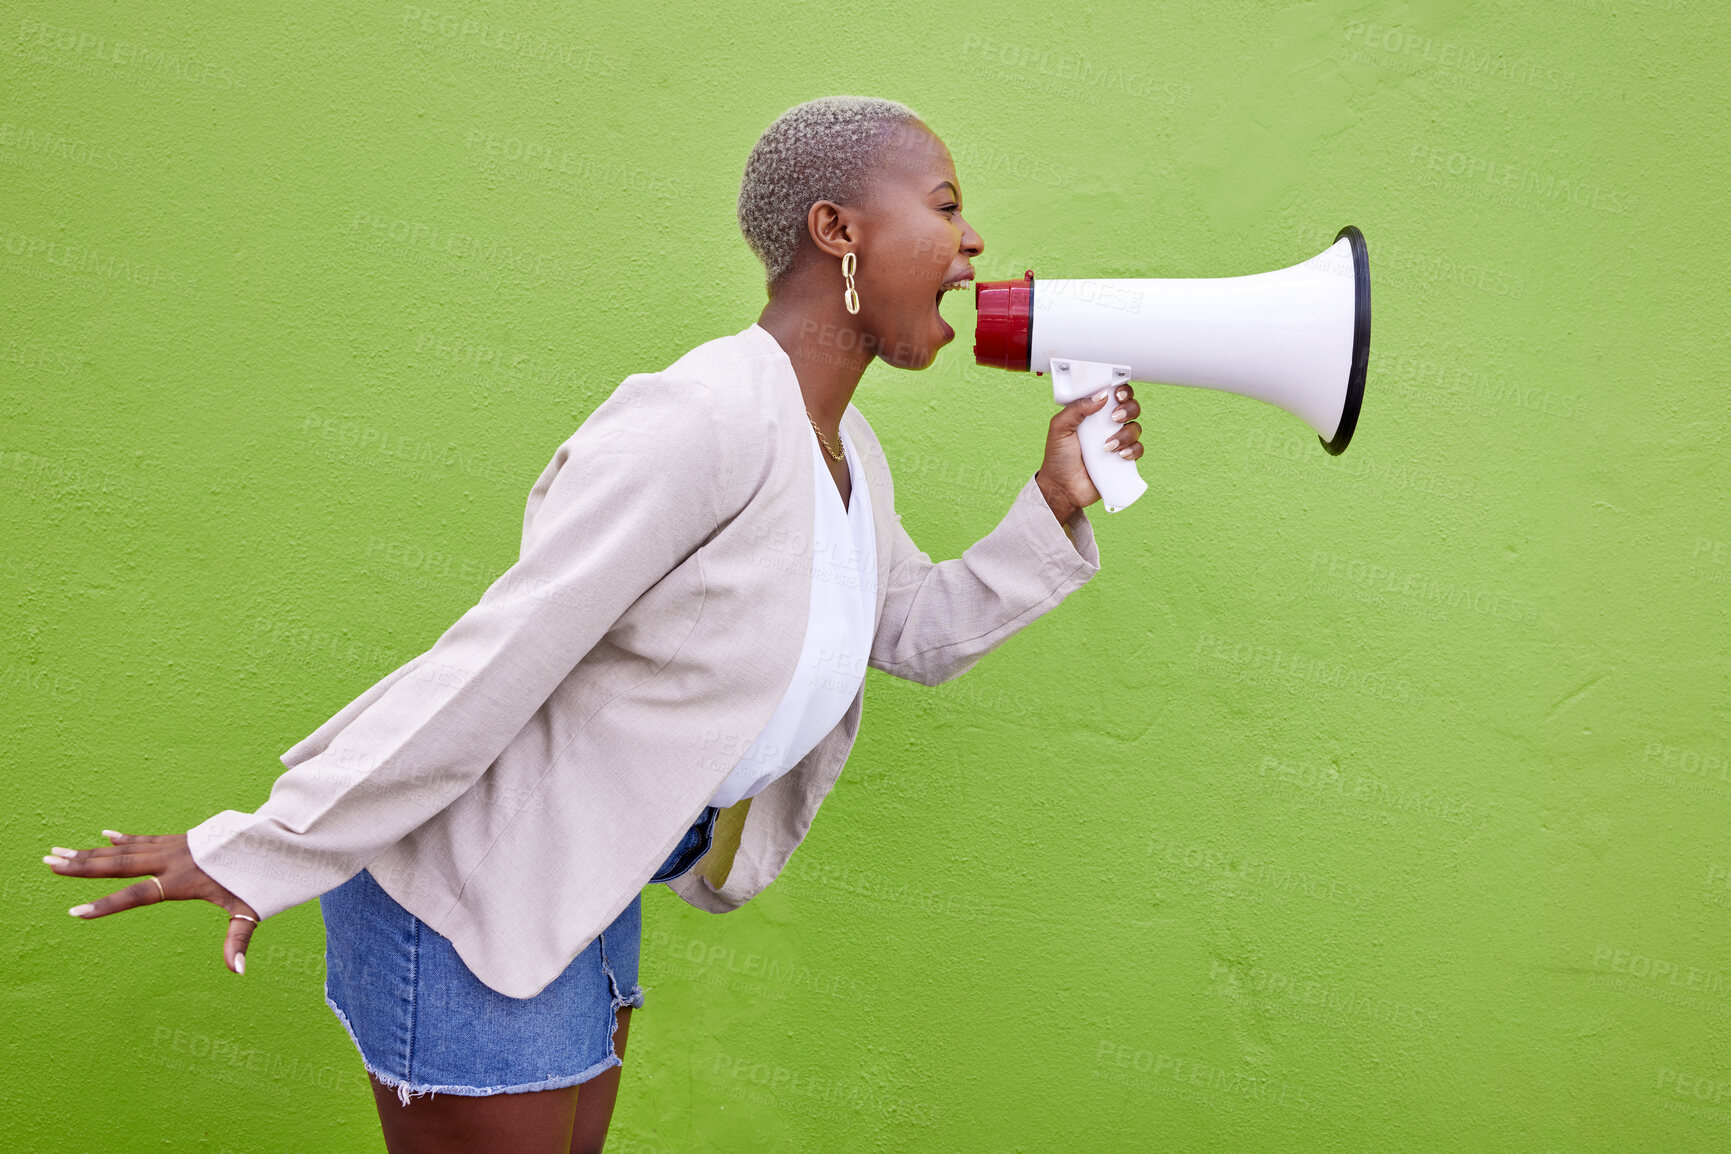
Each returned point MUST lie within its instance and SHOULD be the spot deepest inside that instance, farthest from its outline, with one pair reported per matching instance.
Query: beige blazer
(518, 783)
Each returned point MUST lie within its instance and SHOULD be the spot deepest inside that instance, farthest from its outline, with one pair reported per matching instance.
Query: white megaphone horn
(1298, 337)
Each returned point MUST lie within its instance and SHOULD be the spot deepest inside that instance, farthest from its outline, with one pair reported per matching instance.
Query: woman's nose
(972, 244)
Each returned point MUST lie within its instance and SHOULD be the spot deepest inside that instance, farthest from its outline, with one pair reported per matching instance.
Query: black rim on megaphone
(1360, 342)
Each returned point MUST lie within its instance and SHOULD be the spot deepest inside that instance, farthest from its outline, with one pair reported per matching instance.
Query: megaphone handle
(1116, 478)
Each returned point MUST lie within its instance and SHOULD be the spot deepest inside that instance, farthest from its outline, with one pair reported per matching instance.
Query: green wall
(1371, 803)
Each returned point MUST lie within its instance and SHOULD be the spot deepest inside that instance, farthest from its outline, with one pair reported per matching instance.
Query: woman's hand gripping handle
(1092, 446)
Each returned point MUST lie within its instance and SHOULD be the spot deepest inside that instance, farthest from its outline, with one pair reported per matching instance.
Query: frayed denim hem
(406, 1090)
(634, 998)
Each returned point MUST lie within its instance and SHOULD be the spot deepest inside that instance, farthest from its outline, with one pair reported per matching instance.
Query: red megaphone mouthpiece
(1005, 321)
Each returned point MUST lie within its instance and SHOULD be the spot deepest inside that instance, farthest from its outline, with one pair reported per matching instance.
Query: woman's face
(912, 241)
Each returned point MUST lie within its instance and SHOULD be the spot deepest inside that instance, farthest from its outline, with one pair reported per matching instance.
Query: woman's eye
(949, 208)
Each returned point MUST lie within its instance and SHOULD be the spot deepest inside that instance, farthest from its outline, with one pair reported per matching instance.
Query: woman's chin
(946, 335)
(918, 352)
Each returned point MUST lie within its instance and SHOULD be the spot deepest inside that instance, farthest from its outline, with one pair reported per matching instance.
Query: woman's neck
(822, 343)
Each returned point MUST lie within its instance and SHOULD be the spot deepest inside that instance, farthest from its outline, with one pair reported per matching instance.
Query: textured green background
(1370, 803)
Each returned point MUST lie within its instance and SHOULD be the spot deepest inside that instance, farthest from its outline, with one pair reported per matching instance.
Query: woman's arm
(941, 618)
(624, 501)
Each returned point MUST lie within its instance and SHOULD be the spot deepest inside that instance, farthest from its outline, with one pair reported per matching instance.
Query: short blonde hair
(823, 149)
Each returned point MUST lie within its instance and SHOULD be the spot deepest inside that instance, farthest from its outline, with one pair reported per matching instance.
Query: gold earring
(849, 262)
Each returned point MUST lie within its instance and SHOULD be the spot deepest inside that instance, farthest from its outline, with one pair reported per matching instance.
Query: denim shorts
(424, 1023)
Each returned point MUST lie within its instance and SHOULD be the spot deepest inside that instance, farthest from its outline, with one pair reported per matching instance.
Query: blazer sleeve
(940, 618)
(626, 498)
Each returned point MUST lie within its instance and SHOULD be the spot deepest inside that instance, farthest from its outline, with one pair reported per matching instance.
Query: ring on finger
(254, 921)
(159, 888)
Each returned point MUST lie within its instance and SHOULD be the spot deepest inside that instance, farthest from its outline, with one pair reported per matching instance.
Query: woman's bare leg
(570, 1120)
(595, 1098)
(535, 1122)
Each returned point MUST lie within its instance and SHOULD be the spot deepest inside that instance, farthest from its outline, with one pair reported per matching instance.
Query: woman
(709, 564)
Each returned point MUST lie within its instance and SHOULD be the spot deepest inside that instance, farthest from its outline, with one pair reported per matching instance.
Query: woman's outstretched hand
(1063, 478)
(168, 858)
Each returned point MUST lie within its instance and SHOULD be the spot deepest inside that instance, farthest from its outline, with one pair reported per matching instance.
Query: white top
(838, 634)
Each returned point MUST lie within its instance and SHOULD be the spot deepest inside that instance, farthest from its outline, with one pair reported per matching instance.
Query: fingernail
(1117, 414)
(240, 963)
(112, 833)
(1125, 452)
(1123, 393)
(80, 911)
(1112, 444)
(53, 859)
(1102, 394)
(64, 852)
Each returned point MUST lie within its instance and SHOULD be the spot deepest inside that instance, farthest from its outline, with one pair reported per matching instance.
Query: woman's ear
(833, 228)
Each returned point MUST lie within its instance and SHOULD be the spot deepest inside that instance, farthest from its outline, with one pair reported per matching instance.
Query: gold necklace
(834, 454)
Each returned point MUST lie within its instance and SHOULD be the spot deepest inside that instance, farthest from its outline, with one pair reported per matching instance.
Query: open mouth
(952, 286)
(944, 291)
(966, 280)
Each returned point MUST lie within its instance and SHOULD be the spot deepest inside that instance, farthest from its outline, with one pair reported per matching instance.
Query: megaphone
(1298, 337)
